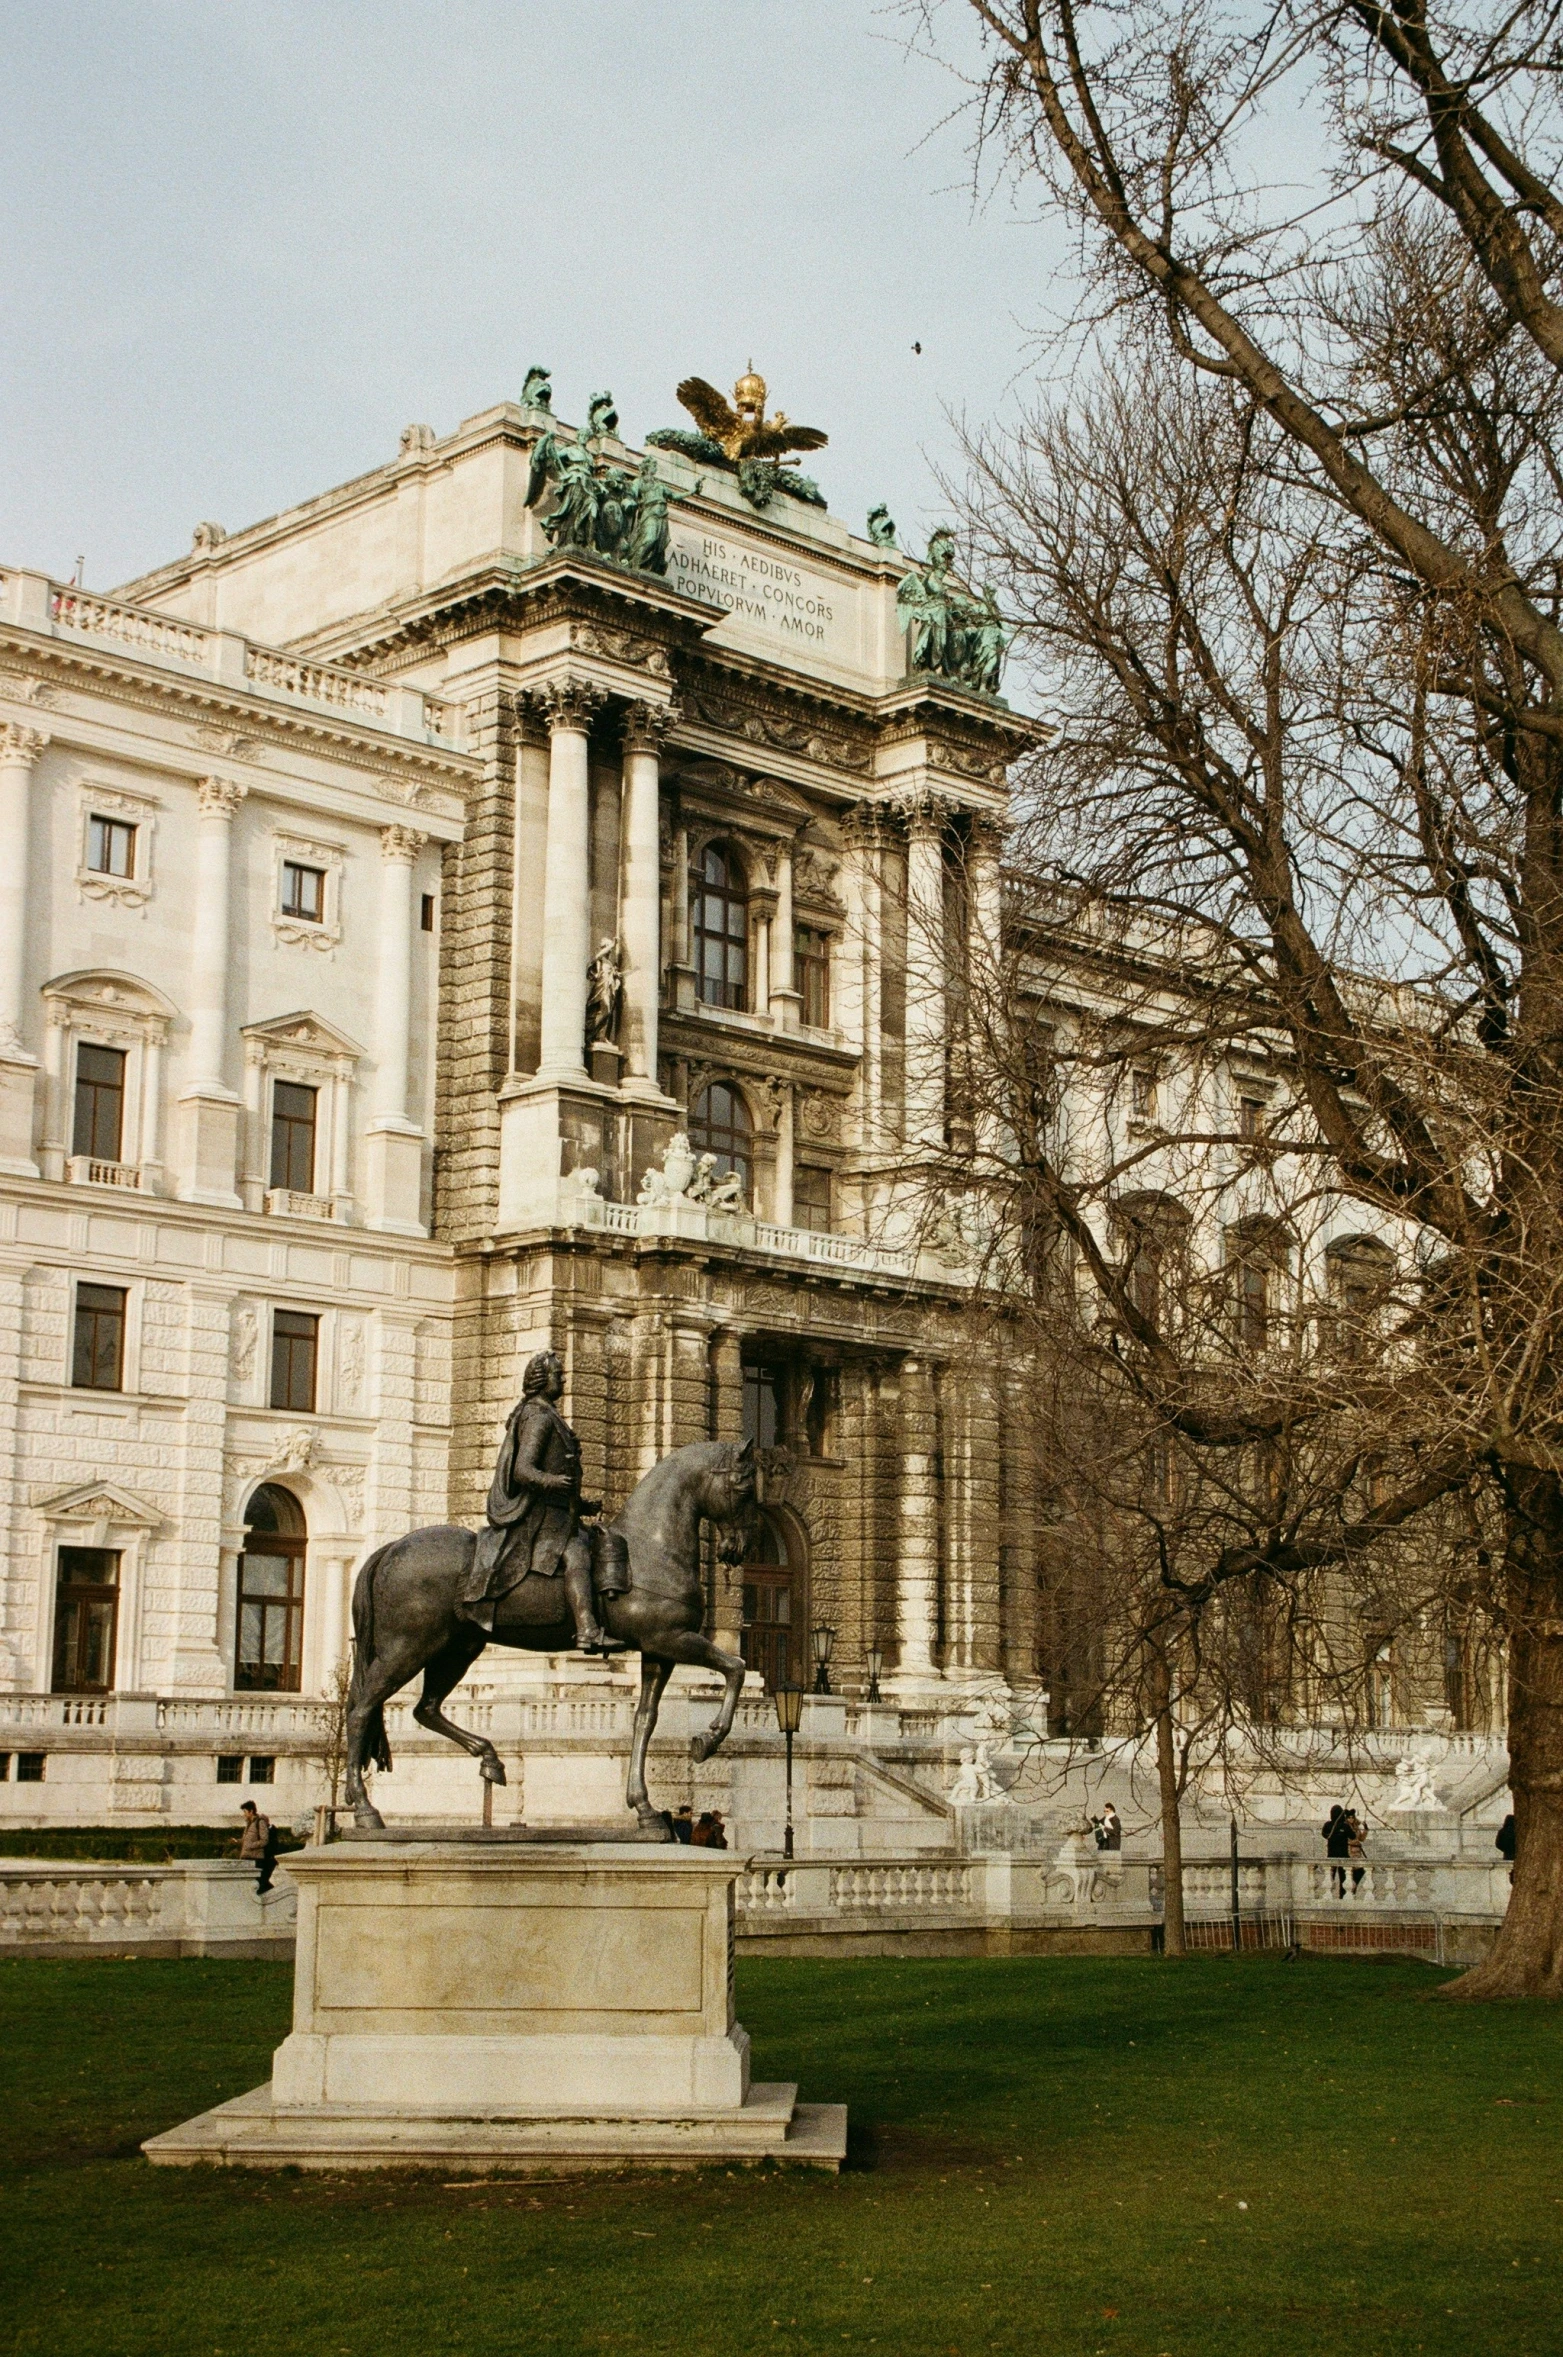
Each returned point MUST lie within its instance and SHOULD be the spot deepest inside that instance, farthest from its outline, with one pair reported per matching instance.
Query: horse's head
(735, 1485)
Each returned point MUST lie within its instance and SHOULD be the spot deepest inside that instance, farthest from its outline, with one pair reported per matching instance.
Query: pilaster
(20, 749)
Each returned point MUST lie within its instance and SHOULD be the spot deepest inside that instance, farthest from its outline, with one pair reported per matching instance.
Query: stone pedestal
(510, 2004)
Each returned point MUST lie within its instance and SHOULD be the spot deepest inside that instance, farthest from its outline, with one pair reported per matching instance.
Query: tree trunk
(1528, 1959)
(1173, 1939)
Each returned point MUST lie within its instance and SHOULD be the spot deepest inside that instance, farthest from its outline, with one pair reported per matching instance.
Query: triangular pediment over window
(305, 1034)
(100, 1501)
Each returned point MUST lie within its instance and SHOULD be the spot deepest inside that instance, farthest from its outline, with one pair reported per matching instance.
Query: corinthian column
(785, 1000)
(19, 751)
(568, 706)
(640, 914)
(211, 1108)
(985, 965)
(925, 972)
(917, 1590)
(395, 1143)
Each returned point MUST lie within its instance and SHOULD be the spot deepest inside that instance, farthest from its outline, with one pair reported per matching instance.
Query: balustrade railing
(317, 683)
(133, 626)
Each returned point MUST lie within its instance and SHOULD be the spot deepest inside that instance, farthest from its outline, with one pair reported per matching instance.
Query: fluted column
(917, 1591)
(19, 751)
(393, 1178)
(985, 968)
(640, 915)
(860, 968)
(926, 989)
(785, 1000)
(210, 1108)
(218, 801)
(568, 705)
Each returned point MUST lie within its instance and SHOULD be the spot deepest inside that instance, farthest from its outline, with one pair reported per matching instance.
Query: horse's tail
(377, 1745)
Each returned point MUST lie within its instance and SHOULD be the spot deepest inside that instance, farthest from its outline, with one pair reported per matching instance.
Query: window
(1155, 1232)
(721, 928)
(29, 1766)
(293, 1136)
(86, 1609)
(1142, 1095)
(268, 1657)
(426, 912)
(303, 892)
(1361, 1276)
(762, 1405)
(111, 846)
(1257, 1259)
(770, 1618)
(263, 1766)
(230, 1767)
(5, 1767)
(295, 1339)
(811, 1197)
(811, 967)
(1251, 1117)
(98, 1342)
(100, 1102)
(719, 1124)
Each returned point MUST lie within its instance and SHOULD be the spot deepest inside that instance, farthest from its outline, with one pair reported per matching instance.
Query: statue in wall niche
(881, 528)
(604, 994)
(950, 633)
(602, 419)
(739, 437)
(538, 390)
(537, 1578)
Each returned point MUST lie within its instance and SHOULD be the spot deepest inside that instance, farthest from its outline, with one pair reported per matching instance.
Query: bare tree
(1304, 641)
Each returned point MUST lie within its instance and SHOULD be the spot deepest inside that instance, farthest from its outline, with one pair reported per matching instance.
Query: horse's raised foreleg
(654, 1675)
(690, 1646)
(448, 1667)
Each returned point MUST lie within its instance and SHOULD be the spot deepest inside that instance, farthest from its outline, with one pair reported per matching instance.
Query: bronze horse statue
(405, 1619)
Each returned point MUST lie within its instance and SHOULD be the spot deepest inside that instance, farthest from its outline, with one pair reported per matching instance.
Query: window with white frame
(114, 846)
(306, 896)
(299, 1078)
(104, 1038)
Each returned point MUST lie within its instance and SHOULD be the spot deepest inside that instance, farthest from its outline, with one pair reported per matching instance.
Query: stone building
(513, 866)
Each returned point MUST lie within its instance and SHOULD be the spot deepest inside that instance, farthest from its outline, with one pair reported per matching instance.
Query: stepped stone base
(473, 2005)
(253, 2132)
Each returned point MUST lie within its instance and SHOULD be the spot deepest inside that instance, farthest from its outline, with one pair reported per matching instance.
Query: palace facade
(383, 892)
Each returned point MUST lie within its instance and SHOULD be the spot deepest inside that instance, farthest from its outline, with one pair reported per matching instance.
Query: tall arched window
(773, 1625)
(719, 1124)
(269, 1641)
(720, 897)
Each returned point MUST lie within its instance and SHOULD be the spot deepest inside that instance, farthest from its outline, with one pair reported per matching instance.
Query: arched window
(719, 1124)
(719, 893)
(1361, 1277)
(269, 1642)
(773, 1629)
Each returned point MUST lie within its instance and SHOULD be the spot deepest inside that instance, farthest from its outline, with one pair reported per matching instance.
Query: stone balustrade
(690, 1221)
(197, 1907)
(61, 610)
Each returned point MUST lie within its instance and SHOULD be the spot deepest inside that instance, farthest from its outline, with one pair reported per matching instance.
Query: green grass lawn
(1048, 2156)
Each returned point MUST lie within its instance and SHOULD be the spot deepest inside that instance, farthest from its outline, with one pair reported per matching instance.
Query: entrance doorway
(773, 1620)
(269, 1655)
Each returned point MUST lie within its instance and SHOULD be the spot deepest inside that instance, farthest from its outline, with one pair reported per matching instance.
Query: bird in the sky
(917, 347)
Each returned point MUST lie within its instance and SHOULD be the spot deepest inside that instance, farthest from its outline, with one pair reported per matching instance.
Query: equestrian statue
(537, 1578)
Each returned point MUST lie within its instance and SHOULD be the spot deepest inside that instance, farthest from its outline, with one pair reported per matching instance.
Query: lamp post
(876, 1662)
(824, 1639)
(789, 1710)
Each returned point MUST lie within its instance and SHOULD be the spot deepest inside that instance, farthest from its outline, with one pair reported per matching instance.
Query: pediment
(100, 1501)
(305, 1033)
(110, 992)
(765, 802)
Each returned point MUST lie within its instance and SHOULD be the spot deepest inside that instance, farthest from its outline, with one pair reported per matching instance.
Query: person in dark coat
(534, 1512)
(1505, 1843)
(1337, 1845)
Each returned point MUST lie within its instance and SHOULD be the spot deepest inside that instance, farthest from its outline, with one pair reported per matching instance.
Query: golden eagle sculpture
(737, 434)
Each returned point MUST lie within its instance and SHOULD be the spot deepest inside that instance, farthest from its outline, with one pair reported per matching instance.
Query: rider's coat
(533, 1502)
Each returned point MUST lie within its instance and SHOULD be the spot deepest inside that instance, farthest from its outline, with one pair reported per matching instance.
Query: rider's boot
(592, 1637)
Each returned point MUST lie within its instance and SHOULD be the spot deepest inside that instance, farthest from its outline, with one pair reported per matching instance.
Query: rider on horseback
(534, 1511)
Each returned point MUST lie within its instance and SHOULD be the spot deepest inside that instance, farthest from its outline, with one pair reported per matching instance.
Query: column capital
(646, 727)
(987, 838)
(568, 703)
(401, 845)
(924, 813)
(219, 797)
(20, 745)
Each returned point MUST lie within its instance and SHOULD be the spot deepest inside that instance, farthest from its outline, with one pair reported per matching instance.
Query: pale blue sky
(247, 244)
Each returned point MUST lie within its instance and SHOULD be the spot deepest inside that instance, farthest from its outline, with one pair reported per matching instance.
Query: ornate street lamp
(876, 1663)
(824, 1637)
(789, 1710)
